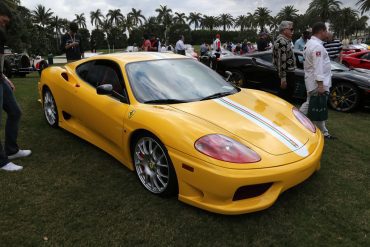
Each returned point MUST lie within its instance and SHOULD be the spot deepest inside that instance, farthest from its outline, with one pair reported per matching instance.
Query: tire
(344, 97)
(237, 78)
(50, 108)
(153, 166)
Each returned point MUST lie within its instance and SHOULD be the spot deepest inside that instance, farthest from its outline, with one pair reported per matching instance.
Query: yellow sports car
(183, 129)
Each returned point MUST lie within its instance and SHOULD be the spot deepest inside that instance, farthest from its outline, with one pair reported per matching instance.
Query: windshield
(338, 67)
(175, 81)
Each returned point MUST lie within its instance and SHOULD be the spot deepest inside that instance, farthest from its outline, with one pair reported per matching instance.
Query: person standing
(203, 49)
(217, 43)
(301, 42)
(71, 44)
(180, 46)
(9, 105)
(147, 45)
(262, 43)
(333, 47)
(284, 60)
(317, 70)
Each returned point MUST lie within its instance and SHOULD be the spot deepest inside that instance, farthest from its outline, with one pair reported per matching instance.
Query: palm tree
(325, 9)
(41, 16)
(195, 18)
(344, 21)
(115, 16)
(262, 17)
(80, 20)
(135, 16)
(179, 18)
(364, 5)
(251, 21)
(241, 21)
(164, 17)
(226, 20)
(12, 4)
(209, 22)
(360, 24)
(288, 13)
(96, 18)
(274, 25)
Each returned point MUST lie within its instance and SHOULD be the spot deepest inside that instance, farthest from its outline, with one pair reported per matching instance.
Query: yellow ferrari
(183, 129)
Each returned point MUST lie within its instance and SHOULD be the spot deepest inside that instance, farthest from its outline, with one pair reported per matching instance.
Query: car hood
(360, 76)
(258, 118)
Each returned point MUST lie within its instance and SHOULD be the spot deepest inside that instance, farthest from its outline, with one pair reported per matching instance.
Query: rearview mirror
(105, 89)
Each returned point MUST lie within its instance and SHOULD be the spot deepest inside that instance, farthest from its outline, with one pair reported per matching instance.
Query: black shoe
(329, 137)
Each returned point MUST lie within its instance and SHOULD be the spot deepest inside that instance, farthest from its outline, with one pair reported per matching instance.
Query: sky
(68, 8)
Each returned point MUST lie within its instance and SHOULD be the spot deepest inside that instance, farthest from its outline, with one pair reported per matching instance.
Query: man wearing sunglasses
(284, 60)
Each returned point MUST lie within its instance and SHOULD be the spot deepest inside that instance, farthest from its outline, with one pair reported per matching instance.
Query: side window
(267, 57)
(83, 69)
(106, 72)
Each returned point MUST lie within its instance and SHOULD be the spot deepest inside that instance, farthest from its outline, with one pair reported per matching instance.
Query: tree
(343, 22)
(241, 21)
(12, 4)
(80, 20)
(226, 21)
(209, 22)
(96, 18)
(288, 13)
(325, 9)
(195, 18)
(136, 17)
(262, 17)
(115, 17)
(364, 5)
(179, 18)
(41, 16)
(165, 18)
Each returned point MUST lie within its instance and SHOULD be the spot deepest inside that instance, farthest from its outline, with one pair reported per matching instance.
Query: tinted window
(366, 56)
(83, 69)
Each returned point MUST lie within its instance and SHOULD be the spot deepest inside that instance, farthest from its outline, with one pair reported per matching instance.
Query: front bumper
(213, 188)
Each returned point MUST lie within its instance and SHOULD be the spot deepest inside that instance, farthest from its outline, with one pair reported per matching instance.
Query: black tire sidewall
(348, 85)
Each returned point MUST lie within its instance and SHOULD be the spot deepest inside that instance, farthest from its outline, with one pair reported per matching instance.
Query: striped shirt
(333, 48)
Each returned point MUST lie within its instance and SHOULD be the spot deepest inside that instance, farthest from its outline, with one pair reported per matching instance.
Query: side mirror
(105, 89)
(228, 75)
(254, 61)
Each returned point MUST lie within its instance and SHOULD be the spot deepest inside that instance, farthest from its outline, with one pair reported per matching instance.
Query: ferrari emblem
(131, 113)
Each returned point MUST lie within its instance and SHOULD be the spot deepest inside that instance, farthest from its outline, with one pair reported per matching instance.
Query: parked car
(350, 87)
(357, 60)
(210, 59)
(39, 64)
(16, 64)
(183, 129)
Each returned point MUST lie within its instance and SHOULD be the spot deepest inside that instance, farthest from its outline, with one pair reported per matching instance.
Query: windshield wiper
(165, 101)
(217, 95)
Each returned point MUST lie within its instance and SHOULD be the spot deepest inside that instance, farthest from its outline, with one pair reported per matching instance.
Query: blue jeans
(10, 106)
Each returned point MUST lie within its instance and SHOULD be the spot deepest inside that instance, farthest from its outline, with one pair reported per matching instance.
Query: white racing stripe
(283, 136)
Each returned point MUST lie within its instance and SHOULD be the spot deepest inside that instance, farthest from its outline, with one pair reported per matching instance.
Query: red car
(357, 60)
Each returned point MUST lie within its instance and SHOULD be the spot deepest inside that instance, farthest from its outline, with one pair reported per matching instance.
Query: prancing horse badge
(131, 113)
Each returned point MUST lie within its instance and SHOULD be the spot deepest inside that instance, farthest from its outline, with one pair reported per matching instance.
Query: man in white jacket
(317, 70)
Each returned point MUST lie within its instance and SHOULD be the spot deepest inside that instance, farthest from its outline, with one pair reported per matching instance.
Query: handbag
(318, 108)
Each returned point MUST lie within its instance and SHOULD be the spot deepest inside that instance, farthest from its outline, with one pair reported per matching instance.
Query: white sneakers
(11, 167)
(20, 154)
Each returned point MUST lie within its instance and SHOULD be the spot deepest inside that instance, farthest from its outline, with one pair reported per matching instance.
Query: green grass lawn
(71, 193)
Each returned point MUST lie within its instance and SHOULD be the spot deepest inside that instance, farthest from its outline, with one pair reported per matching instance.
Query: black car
(16, 64)
(350, 87)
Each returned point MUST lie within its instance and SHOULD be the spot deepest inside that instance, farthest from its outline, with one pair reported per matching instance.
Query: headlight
(304, 120)
(223, 148)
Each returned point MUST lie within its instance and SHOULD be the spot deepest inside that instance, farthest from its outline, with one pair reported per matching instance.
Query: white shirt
(316, 64)
(180, 45)
(216, 44)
